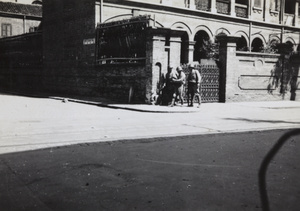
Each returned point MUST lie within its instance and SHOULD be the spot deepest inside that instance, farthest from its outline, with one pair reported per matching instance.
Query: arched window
(257, 45)
(290, 46)
(273, 46)
(200, 49)
(37, 2)
(241, 44)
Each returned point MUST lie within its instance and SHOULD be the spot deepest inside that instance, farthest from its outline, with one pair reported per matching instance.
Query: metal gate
(210, 83)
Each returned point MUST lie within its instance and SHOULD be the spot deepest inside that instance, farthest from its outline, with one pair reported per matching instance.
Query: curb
(132, 107)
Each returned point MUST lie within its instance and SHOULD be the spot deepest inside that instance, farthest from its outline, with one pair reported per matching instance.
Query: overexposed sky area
(19, 1)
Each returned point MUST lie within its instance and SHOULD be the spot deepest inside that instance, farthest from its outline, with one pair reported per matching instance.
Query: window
(241, 44)
(245, 2)
(289, 6)
(257, 3)
(241, 8)
(257, 45)
(203, 5)
(275, 5)
(223, 6)
(33, 29)
(6, 30)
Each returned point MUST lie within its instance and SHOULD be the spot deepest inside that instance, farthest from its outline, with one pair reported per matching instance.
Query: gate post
(175, 47)
(156, 60)
(227, 58)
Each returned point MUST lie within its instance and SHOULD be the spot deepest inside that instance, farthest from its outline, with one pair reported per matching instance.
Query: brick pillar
(228, 62)
(156, 60)
(191, 51)
(175, 51)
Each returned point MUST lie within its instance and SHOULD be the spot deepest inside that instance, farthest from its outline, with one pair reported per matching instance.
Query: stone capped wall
(249, 76)
(258, 77)
(261, 77)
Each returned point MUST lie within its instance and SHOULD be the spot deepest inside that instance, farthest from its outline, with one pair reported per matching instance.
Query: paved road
(28, 123)
(203, 172)
(214, 171)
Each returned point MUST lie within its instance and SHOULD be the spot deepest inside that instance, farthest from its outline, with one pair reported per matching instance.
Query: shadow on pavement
(262, 121)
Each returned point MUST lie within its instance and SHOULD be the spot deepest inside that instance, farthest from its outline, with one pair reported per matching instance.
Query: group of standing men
(173, 86)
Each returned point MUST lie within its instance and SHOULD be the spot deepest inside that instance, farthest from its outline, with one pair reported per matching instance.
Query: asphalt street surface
(201, 172)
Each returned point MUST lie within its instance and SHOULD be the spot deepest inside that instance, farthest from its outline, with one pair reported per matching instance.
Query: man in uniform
(194, 80)
(179, 84)
(168, 90)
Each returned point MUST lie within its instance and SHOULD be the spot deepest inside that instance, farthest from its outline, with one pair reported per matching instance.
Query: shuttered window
(6, 30)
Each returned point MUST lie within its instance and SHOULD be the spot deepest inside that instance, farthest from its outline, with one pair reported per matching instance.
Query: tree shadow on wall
(285, 75)
(276, 74)
(294, 72)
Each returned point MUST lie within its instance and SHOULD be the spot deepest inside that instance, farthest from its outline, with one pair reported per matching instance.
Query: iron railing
(210, 83)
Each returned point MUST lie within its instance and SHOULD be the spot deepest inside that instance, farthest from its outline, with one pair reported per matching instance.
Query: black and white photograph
(163, 105)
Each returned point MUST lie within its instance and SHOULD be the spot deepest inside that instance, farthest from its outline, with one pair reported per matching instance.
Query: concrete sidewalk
(28, 123)
(133, 107)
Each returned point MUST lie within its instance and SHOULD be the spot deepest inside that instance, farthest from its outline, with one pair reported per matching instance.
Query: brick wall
(265, 77)
(69, 56)
(69, 63)
(249, 76)
(258, 77)
(68, 46)
(122, 82)
(21, 63)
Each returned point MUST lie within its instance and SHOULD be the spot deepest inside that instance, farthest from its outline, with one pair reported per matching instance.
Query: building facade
(176, 32)
(17, 18)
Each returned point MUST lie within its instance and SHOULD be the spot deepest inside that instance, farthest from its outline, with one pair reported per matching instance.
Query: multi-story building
(17, 18)
(76, 55)
(257, 22)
